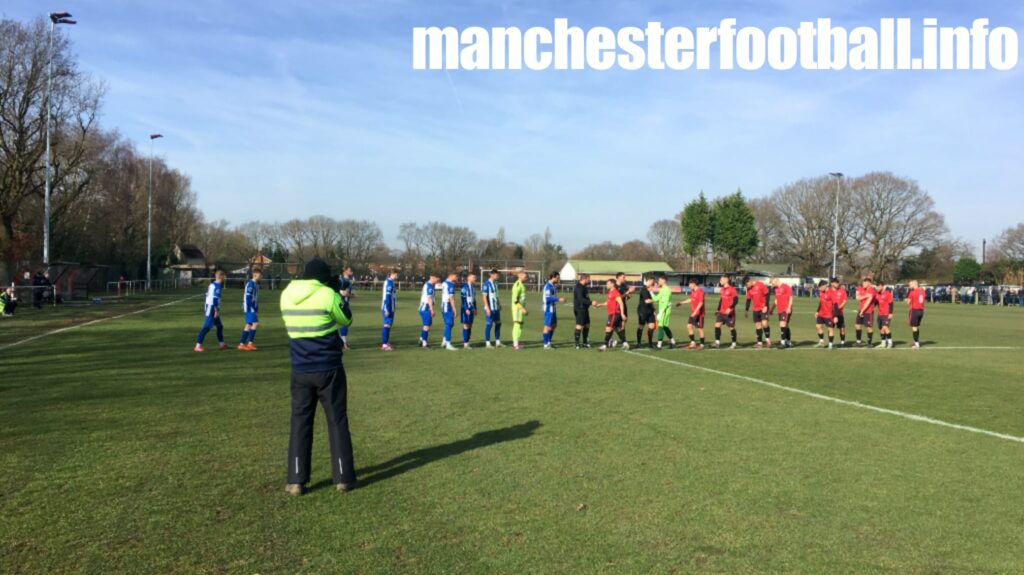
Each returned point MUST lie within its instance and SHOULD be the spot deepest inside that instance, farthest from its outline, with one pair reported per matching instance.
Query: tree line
(99, 178)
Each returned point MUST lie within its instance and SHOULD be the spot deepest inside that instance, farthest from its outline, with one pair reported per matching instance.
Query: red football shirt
(783, 297)
(884, 302)
(867, 305)
(697, 299)
(728, 300)
(613, 301)
(758, 295)
(839, 298)
(916, 298)
(825, 304)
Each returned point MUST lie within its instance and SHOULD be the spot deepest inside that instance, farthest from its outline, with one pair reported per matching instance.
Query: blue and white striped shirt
(212, 298)
(468, 297)
(550, 298)
(426, 296)
(491, 293)
(447, 295)
(390, 298)
(251, 301)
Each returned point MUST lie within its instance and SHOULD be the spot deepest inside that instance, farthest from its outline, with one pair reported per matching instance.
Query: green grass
(124, 452)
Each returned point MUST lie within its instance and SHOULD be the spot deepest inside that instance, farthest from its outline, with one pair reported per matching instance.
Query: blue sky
(289, 109)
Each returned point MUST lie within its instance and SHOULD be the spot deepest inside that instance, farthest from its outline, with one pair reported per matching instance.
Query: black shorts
(916, 315)
(729, 320)
(760, 316)
(696, 320)
(582, 316)
(646, 318)
(614, 322)
(824, 320)
(784, 316)
(841, 321)
(865, 318)
(883, 321)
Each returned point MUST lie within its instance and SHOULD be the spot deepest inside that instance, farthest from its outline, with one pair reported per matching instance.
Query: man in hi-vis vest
(312, 312)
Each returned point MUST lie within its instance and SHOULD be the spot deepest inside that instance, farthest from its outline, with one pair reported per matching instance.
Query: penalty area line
(846, 402)
(94, 322)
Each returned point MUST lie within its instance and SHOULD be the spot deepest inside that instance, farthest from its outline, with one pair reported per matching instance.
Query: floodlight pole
(55, 18)
(149, 233)
(835, 224)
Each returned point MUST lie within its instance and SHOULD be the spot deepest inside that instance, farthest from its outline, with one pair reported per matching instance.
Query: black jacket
(580, 297)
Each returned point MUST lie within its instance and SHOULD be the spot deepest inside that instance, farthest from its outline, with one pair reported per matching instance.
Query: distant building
(782, 271)
(191, 263)
(601, 270)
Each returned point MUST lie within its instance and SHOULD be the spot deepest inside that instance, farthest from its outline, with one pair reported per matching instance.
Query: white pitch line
(812, 347)
(93, 322)
(905, 415)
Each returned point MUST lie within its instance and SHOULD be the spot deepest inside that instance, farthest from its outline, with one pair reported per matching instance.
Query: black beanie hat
(317, 269)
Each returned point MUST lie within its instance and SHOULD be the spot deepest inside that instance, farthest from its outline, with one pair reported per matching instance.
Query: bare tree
(772, 247)
(1010, 244)
(360, 240)
(893, 215)
(446, 247)
(74, 101)
(805, 210)
(666, 237)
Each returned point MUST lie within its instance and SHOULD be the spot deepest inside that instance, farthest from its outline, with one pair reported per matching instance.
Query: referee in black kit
(312, 311)
(581, 309)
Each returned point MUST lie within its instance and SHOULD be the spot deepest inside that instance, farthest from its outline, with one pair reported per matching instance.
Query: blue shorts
(211, 321)
(426, 317)
(467, 316)
(390, 319)
(495, 316)
(449, 317)
(550, 319)
(251, 317)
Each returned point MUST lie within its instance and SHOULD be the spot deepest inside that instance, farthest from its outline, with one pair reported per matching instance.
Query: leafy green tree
(697, 226)
(734, 228)
(966, 270)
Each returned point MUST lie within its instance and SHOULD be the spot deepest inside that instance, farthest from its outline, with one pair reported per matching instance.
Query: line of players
(654, 311)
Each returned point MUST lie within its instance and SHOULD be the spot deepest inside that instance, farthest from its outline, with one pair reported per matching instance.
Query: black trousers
(331, 390)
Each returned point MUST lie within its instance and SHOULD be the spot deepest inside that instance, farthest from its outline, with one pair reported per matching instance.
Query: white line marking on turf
(850, 347)
(93, 322)
(905, 415)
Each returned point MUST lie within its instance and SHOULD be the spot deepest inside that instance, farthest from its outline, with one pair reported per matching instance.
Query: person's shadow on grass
(420, 457)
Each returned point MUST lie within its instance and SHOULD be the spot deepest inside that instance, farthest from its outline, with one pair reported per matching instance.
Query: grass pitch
(125, 452)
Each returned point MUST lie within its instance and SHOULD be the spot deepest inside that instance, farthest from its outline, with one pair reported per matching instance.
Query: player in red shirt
(616, 317)
(696, 318)
(826, 314)
(726, 314)
(884, 300)
(867, 299)
(757, 296)
(784, 305)
(915, 299)
(839, 297)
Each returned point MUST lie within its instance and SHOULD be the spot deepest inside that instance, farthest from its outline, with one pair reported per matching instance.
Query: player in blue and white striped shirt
(427, 308)
(448, 309)
(250, 307)
(492, 309)
(550, 299)
(468, 310)
(211, 312)
(388, 304)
